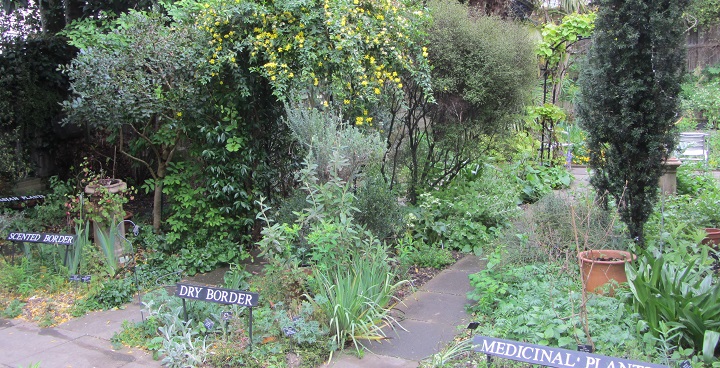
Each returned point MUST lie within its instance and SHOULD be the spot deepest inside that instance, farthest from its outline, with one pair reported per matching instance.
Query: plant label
(585, 348)
(74, 278)
(226, 315)
(208, 324)
(86, 278)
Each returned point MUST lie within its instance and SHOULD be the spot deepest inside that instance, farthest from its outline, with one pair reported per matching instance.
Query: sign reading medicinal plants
(552, 357)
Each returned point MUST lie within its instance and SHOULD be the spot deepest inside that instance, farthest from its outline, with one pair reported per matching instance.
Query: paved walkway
(78, 343)
(432, 316)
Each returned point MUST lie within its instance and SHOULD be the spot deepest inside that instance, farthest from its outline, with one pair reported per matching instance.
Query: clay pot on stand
(712, 237)
(600, 267)
(113, 186)
(712, 240)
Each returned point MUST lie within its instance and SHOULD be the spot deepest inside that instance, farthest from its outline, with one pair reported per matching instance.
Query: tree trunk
(157, 198)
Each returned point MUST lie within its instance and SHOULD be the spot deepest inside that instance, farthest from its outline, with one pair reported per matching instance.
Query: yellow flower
(346, 102)
(377, 91)
(179, 114)
(359, 120)
(315, 82)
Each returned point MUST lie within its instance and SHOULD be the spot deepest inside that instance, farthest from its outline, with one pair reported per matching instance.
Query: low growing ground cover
(531, 290)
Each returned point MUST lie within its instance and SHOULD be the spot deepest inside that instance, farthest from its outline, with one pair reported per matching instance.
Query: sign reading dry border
(216, 295)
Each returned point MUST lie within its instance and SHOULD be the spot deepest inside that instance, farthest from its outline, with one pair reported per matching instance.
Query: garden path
(82, 342)
(431, 317)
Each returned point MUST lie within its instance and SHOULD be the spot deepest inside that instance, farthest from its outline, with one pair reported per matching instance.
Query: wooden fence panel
(703, 47)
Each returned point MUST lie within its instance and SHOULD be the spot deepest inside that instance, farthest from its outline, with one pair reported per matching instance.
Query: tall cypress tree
(629, 101)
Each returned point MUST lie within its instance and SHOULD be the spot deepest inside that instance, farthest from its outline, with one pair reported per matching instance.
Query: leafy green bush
(683, 295)
(115, 293)
(540, 303)
(415, 252)
(546, 231)
(469, 213)
(695, 205)
(378, 207)
(537, 182)
(13, 309)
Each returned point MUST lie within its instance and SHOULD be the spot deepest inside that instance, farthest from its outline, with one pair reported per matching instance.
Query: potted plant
(601, 267)
(101, 203)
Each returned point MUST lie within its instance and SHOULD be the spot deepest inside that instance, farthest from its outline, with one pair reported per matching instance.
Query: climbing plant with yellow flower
(350, 51)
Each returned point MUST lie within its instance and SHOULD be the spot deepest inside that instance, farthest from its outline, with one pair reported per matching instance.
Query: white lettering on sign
(41, 238)
(552, 357)
(27, 237)
(216, 295)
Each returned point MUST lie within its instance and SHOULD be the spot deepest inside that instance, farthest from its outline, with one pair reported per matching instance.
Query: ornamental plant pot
(712, 237)
(600, 267)
(105, 209)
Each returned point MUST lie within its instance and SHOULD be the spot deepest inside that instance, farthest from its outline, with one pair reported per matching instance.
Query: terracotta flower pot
(600, 267)
(712, 237)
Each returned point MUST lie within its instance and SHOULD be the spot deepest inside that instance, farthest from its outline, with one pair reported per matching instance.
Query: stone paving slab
(434, 307)
(22, 339)
(79, 343)
(85, 351)
(104, 324)
(369, 360)
(421, 340)
(449, 282)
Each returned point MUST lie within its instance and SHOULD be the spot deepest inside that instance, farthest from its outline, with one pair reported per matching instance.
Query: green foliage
(334, 51)
(537, 182)
(706, 12)
(514, 311)
(574, 137)
(556, 226)
(694, 207)
(324, 134)
(554, 56)
(483, 70)
(107, 239)
(467, 214)
(378, 207)
(556, 38)
(40, 269)
(355, 299)
(114, 293)
(13, 309)
(700, 96)
(680, 295)
(82, 241)
(412, 252)
(144, 77)
(629, 101)
(325, 225)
